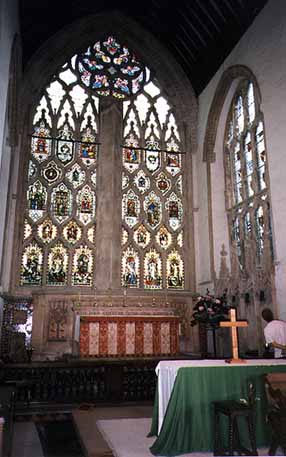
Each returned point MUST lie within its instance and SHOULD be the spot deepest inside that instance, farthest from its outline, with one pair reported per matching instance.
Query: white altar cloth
(166, 371)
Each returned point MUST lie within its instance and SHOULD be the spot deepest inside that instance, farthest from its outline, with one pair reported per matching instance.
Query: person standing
(274, 333)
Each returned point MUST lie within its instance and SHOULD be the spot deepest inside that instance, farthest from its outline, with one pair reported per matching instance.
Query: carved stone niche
(57, 323)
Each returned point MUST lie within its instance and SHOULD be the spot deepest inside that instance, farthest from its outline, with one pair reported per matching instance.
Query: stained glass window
(152, 187)
(246, 173)
(64, 175)
(61, 191)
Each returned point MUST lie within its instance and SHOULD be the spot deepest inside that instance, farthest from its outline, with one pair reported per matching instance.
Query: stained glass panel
(72, 232)
(130, 268)
(47, 231)
(88, 148)
(152, 270)
(82, 267)
(175, 271)
(152, 156)
(153, 209)
(37, 200)
(51, 173)
(32, 264)
(65, 145)
(130, 208)
(142, 181)
(76, 176)
(142, 236)
(109, 68)
(175, 211)
(61, 201)
(57, 266)
(86, 205)
(163, 183)
(41, 143)
(164, 238)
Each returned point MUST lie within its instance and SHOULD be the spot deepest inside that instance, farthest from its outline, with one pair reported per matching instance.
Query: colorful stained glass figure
(152, 270)
(174, 208)
(51, 173)
(82, 267)
(180, 239)
(153, 209)
(164, 237)
(93, 177)
(142, 181)
(57, 265)
(91, 234)
(109, 68)
(130, 268)
(65, 145)
(37, 200)
(88, 148)
(175, 271)
(125, 181)
(141, 236)
(27, 229)
(163, 183)
(124, 236)
(47, 231)
(152, 156)
(32, 264)
(41, 145)
(85, 205)
(76, 176)
(131, 158)
(32, 170)
(61, 201)
(173, 160)
(130, 208)
(72, 232)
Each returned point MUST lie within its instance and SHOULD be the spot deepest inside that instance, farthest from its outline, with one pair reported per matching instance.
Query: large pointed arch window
(247, 181)
(61, 229)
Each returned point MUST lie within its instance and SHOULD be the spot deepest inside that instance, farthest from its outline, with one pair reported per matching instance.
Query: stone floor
(26, 442)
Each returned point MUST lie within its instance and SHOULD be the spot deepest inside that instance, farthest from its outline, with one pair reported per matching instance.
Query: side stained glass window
(247, 184)
(152, 205)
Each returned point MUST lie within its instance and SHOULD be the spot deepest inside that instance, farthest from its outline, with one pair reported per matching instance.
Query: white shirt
(276, 331)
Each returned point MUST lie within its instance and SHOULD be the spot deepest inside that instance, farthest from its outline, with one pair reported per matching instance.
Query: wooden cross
(234, 324)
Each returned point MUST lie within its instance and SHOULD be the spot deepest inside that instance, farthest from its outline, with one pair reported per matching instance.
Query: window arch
(247, 182)
(61, 233)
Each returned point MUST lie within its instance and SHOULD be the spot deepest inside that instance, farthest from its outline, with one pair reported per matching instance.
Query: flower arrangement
(210, 310)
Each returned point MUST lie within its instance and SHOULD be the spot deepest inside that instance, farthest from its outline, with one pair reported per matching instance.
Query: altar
(128, 335)
(183, 416)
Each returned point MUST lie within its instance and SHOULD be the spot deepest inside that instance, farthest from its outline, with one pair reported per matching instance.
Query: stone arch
(79, 34)
(231, 74)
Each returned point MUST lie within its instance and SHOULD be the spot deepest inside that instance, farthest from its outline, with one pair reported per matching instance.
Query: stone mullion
(109, 193)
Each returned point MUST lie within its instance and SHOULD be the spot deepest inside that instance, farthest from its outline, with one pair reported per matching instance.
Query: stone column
(108, 218)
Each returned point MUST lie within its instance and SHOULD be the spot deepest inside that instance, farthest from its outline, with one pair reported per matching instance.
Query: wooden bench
(275, 385)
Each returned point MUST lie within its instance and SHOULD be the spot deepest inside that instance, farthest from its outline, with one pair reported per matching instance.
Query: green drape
(188, 424)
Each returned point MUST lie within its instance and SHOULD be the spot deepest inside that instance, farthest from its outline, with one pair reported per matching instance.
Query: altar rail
(76, 383)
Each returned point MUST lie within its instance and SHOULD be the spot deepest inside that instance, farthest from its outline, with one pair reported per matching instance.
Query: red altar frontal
(124, 336)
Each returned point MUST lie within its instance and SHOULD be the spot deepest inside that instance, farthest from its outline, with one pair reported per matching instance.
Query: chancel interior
(142, 166)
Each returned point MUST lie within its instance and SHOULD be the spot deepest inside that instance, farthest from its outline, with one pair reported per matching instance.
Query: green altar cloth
(188, 423)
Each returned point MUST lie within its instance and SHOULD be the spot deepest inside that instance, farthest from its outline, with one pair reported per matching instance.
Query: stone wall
(262, 51)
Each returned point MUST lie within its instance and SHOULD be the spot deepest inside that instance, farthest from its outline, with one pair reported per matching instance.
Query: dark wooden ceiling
(199, 33)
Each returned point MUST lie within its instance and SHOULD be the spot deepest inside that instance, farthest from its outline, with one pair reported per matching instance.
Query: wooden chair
(275, 386)
(233, 410)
